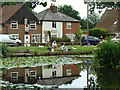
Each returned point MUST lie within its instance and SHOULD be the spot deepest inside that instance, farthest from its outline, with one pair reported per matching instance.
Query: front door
(27, 40)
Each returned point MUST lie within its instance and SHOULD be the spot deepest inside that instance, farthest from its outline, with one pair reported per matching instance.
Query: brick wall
(21, 31)
(74, 27)
(21, 74)
(74, 69)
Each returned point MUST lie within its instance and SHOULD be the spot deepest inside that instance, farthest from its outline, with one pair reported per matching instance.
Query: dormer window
(32, 25)
(14, 24)
(53, 24)
(68, 25)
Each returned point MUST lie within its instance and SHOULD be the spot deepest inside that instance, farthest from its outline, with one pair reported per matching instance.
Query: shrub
(64, 39)
(107, 55)
(97, 32)
(78, 35)
(4, 49)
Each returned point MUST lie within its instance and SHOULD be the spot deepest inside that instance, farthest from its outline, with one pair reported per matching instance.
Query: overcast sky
(78, 5)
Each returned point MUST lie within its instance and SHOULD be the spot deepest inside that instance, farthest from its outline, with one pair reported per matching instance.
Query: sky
(78, 5)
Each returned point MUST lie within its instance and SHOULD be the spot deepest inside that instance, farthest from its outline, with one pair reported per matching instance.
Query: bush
(78, 36)
(64, 39)
(107, 55)
(4, 49)
(97, 32)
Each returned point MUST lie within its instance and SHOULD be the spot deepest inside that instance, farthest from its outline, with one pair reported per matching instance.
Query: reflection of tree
(108, 78)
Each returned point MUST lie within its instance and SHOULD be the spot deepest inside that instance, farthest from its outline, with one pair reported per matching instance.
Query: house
(20, 22)
(30, 75)
(59, 24)
(110, 21)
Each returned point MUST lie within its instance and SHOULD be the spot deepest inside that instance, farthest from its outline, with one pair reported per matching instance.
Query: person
(64, 48)
(54, 45)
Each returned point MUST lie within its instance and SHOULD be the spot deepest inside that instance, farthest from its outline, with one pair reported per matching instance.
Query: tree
(30, 5)
(93, 20)
(78, 34)
(103, 5)
(68, 10)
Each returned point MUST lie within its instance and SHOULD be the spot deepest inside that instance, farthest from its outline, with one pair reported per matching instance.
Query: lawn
(44, 49)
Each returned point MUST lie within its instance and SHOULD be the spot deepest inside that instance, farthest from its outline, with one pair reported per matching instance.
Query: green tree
(68, 10)
(103, 5)
(78, 34)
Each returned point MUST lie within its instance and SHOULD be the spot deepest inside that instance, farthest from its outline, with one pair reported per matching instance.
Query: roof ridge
(45, 13)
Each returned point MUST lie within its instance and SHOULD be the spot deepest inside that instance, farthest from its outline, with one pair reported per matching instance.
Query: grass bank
(45, 49)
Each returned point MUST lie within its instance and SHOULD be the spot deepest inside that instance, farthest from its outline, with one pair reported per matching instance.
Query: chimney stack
(53, 8)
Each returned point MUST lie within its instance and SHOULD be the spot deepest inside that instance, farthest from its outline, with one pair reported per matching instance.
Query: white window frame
(68, 25)
(68, 72)
(14, 78)
(0, 26)
(71, 36)
(31, 23)
(36, 41)
(54, 24)
(33, 76)
(15, 23)
(15, 35)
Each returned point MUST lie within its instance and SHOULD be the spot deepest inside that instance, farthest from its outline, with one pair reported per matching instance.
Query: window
(14, 24)
(14, 76)
(15, 36)
(53, 24)
(35, 38)
(68, 25)
(71, 36)
(54, 35)
(32, 74)
(33, 25)
(46, 38)
(68, 72)
(0, 26)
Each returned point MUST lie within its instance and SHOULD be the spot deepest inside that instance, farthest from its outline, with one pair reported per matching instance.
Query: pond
(66, 71)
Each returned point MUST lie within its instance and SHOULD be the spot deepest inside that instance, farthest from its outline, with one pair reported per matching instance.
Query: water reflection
(108, 78)
(49, 74)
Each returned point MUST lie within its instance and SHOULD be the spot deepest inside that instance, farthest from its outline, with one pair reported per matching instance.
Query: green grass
(44, 49)
(37, 49)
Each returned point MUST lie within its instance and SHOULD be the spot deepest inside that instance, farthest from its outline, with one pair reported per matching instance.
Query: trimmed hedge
(97, 32)
(64, 39)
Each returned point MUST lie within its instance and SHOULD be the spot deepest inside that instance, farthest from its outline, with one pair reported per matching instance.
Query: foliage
(93, 20)
(30, 5)
(103, 5)
(78, 35)
(97, 32)
(64, 39)
(68, 10)
(107, 55)
(4, 48)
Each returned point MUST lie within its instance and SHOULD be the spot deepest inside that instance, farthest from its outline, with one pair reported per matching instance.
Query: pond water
(102, 78)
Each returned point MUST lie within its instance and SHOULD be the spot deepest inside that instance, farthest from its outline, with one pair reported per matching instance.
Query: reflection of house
(58, 23)
(19, 21)
(110, 21)
(33, 74)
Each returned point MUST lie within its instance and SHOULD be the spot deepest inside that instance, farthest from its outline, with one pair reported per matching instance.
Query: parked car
(91, 41)
(10, 40)
(116, 39)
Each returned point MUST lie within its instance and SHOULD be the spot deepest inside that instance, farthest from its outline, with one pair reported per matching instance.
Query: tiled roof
(110, 20)
(8, 11)
(48, 15)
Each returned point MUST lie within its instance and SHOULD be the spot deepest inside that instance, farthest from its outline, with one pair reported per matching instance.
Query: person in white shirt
(64, 48)
(54, 45)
